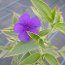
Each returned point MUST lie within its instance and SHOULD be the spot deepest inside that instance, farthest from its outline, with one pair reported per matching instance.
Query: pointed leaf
(56, 15)
(60, 27)
(31, 59)
(37, 38)
(25, 56)
(51, 59)
(44, 32)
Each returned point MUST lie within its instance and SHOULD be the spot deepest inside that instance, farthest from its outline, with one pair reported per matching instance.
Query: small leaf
(44, 32)
(25, 56)
(31, 59)
(34, 36)
(37, 38)
(60, 27)
(51, 59)
(53, 12)
(56, 15)
(52, 52)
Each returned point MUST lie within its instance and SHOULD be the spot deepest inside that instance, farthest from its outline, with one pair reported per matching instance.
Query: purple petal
(24, 37)
(35, 30)
(25, 18)
(35, 22)
(18, 28)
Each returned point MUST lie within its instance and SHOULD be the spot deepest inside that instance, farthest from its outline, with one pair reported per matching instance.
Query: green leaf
(62, 51)
(25, 56)
(51, 59)
(53, 12)
(44, 32)
(41, 9)
(30, 59)
(34, 36)
(52, 52)
(37, 38)
(22, 49)
(42, 5)
(60, 27)
(56, 15)
(39, 14)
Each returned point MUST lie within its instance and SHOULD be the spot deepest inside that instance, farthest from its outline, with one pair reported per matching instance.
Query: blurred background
(7, 7)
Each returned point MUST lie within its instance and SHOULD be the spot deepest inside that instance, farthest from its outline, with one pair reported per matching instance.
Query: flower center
(27, 27)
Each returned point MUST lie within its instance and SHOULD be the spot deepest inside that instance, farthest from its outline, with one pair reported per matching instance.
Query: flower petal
(18, 28)
(24, 37)
(25, 18)
(35, 22)
(35, 30)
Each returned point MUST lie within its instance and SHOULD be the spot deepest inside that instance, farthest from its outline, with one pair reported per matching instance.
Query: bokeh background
(7, 7)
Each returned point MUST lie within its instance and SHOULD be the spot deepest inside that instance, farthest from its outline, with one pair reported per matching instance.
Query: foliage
(39, 50)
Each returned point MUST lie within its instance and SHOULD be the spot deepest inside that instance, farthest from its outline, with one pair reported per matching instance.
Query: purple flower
(25, 24)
